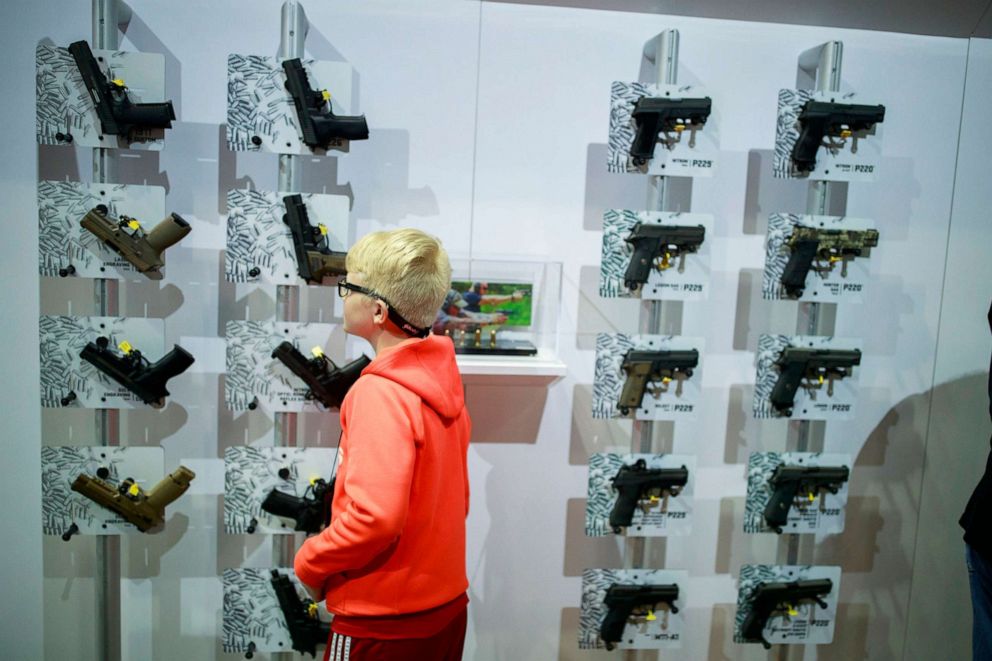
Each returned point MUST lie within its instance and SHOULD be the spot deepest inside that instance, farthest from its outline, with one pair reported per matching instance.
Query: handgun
(636, 481)
(306, 630)
(328, 383)
(133, 371)
(820, 119)
(825, 247)
(118, 115)
(144, 509)
(771, 597)
(126, 237)
(311, 512)
(662, 367)
(657, 245)
(809, 368)
(654, 115)
(313, 110)
(314, 258)
(623, 601)
(803, 482)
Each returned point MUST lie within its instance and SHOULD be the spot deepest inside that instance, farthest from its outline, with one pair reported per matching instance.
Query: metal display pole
(294, 27)
(665, 56)
(824, 63)
(106, 293)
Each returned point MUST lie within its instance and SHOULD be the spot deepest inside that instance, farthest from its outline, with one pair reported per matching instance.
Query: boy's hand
(314, 593)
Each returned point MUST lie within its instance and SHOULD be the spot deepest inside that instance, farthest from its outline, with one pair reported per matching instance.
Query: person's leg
(980, 577)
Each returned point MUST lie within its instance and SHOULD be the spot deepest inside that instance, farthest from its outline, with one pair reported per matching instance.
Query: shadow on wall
(568, 643)
(525, 396)
(591, 435)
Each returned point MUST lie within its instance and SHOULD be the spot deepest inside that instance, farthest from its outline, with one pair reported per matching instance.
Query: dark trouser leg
(980, 577)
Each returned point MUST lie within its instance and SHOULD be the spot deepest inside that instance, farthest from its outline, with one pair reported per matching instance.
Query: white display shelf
(545, 364)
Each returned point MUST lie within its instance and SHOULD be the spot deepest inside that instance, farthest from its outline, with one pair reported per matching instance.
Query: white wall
(958, 436)
(489, 128)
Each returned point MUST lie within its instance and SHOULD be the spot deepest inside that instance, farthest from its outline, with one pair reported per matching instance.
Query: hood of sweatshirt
(426, 367)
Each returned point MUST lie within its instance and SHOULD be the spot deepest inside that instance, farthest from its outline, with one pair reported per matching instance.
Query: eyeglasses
(345, 288)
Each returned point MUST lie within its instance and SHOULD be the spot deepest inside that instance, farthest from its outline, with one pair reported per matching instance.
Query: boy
(391, 564)
(978, 552)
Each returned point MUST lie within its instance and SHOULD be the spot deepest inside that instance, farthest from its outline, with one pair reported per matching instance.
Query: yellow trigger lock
(134, 490)
(118, 82)
(324, 94)
(845, 133)
(821, 379)
(651, 616)
(317, 352)
(133, 224)
(793, 612)
(323, 229)
(679, 128)
(126, 347)
(312, 609)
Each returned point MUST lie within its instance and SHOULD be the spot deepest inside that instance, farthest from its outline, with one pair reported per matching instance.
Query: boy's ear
(381, 312)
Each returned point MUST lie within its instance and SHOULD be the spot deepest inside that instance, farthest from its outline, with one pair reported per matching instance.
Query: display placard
(253, 619)
(655, 377)
(812, 377)
(65, 248)
(251, 474)
(663, 486)
(690, 151)
(796, 492)
(261, 115)
(651, 626)
(793, 620)
(838, 270)
(61, 507)
(855, 157)
(260, 244)
(254, 377)
(680, 269)
(66, 111)
(69, 380)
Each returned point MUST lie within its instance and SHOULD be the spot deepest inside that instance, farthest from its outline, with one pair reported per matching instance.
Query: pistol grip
(633, 392)
(623, 509)
(777, 511)
(784, 394)
(797, 268)
(642, 147)
(804, 151)
(611, 630)
(640, 265)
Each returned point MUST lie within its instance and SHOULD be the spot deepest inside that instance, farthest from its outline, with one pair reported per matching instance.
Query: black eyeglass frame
(394, 316)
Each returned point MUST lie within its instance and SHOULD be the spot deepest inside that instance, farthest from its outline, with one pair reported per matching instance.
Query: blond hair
(407, 267)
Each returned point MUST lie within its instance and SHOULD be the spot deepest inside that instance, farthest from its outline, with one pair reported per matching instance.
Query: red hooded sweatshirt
(396, 541)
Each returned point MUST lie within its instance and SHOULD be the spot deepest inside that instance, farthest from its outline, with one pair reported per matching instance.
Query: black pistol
(320, 126)
(133, 371)
(637, 480)
(311, 512)
(658, 245)
(306, 630)
(820, 119)
(655, 115)
(805, 482)
(622, 601)
(771, 597)
(809, 368)
(314, 258)
(118, 114)
(328, 383)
